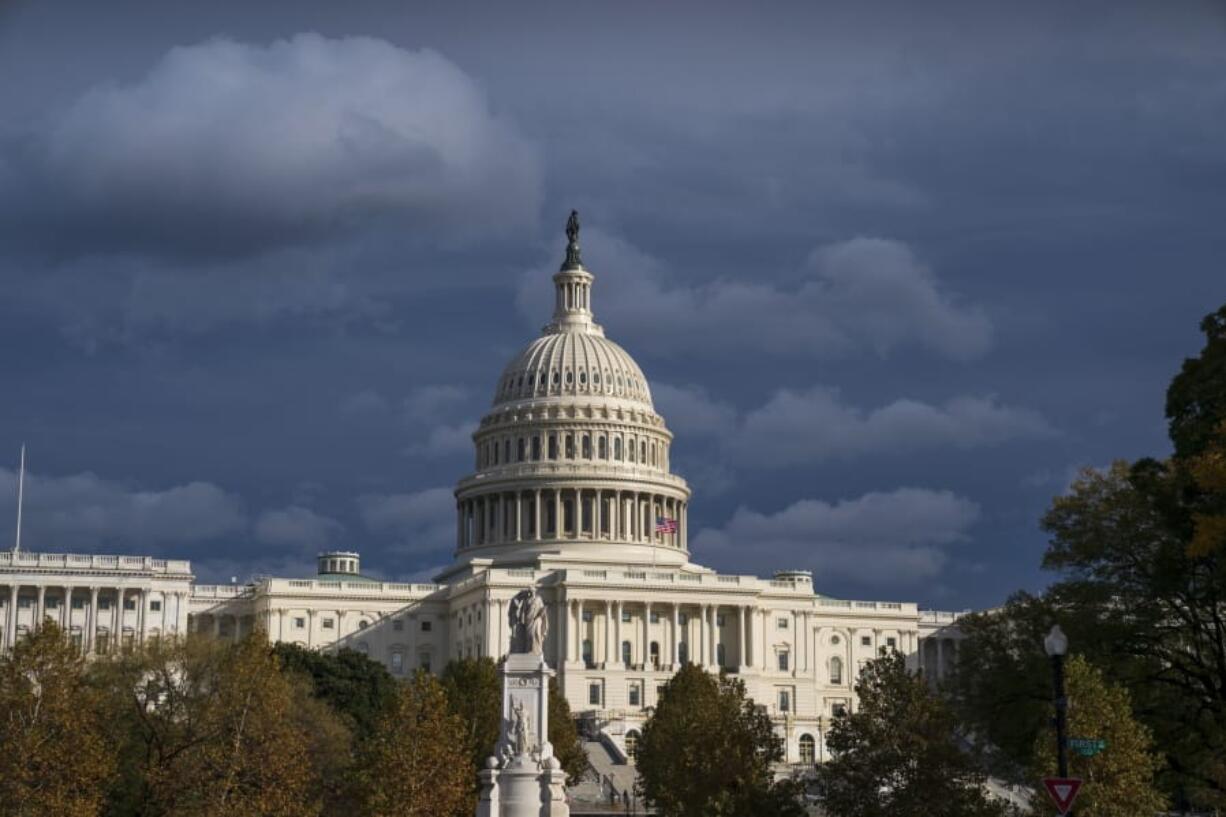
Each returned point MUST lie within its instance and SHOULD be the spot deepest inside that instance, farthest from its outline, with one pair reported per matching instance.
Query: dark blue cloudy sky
(895, 271)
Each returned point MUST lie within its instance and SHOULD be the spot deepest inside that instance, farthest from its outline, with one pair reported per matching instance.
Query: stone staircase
(609, 773)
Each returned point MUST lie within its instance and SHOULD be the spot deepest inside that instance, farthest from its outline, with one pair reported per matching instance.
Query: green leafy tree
(357, 687)
(1119, 781)
(564, 735)
(54, 754)
(708, 750)
(474, 695)
(417, 761)
(898, 754)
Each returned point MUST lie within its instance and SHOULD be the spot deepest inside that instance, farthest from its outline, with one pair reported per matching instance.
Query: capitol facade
(571, 493)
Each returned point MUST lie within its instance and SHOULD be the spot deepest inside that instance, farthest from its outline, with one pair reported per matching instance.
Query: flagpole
(21, 483)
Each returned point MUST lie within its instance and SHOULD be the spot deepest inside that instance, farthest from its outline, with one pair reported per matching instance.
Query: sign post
(1063, 791)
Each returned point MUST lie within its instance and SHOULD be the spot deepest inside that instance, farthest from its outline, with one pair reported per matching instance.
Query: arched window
(617, 448)
(655, 652)
(626, 655)
(553, 446)
(631, 453)
(587, 653)
(653, 453)
(836, 670)
(683, 653)
(397, 662)
(536, 448)
(602, 447)
(363, 648)
(570, 446)
(494, 446)
(506, 450)
(643, 452)
(587, 446)
(719, 655)
(808, 750)
(632, 745)
(519, 450)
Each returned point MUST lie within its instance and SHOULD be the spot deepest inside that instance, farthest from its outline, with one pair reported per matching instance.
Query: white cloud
(866, 294)
(86, 512)
(445, 440)
(265, 142)
(877, 538)
(814, 425)
(424, 521)
(692, 409)
(297, 527)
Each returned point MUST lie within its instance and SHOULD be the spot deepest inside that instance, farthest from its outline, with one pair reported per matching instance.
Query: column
(519, 516)
(762, 648)
(10, 631)
(676, 634)
(713, 631)
(797, 643)
(741, 632)
(536, 513)
(40, 608)
(684, 523)
(578, 622)
(608, 633)
(646, 656)
(598, 517)
(557, 513)
(459, 524)
(117, 617)
(281, 625)
(617, 632)
(562, 639)
(310, 628)
(704, 641)
(66, 612)
(142, 604)
(940, 673)
(91, 621)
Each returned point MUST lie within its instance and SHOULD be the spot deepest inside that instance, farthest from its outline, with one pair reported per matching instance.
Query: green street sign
(1087, 747)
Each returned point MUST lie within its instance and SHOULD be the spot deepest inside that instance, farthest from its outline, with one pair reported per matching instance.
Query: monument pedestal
(523, 778)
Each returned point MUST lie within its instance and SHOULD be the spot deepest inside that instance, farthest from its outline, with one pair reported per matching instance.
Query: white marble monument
(523, 778)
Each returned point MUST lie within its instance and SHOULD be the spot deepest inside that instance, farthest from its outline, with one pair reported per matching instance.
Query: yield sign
(1063, 790)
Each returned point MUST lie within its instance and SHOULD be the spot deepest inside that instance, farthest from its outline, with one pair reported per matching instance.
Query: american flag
(665, 525)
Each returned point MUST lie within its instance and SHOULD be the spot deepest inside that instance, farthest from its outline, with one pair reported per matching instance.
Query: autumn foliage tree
(417, 762)
(707, 751)
(1119, 780)
(55, 757)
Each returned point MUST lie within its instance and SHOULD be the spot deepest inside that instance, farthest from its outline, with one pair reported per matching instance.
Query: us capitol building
(571, 493)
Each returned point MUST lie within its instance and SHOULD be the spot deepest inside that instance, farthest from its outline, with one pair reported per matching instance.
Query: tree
(213, 729)
(898, 754)
(417, 761)
(564, 735)
(55, 757)
(708, 750)
(474, 695)
(1119, 781)
(357, 687)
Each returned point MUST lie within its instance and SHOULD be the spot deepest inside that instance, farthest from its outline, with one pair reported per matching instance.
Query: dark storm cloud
(226, 147)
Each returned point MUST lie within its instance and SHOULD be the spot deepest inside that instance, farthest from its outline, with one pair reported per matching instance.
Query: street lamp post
(1056, 645)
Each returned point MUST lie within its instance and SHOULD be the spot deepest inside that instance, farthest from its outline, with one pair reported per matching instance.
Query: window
(635, 694)
(655, 652)
(587, 652)
(594, 690)
(587, 615)
(630, 449)
(720, 655)
(328, 623)
(781, 623)
(536, 448)
(299, 623)
(398, 624)
(587, 447)
(397, 662)
(570, 446)
(625, 616)
(892, 643)
(104, 604)
(836, 670)
(808, 750)
(655, 618)
(632, 745)
(519, 450)
(79, 604)
(643, 452)
(785, 700)
(626, 652)
(602, 448)
(683, 653)
(52, 602)
(506, 451)
(683, 619)
(129, 603)
(835, 640)
(553, 446)
(423, 661)
(783, 660)
(426, 626)
(838, 709)
(719, 620)
(866, 641)
(617, 448)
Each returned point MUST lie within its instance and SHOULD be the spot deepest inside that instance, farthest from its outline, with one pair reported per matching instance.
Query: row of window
(553, 446)
(78, 603)
(540, 382)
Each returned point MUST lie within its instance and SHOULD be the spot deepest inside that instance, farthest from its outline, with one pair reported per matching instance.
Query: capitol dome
(572, 460)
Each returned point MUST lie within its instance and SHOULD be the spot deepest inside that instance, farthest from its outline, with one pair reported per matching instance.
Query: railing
(333, 585)
(95, 562)
(941, 616)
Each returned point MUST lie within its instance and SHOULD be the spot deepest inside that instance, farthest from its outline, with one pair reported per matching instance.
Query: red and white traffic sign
(1063, 791)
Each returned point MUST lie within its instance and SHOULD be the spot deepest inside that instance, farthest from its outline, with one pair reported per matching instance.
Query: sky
(895, 271)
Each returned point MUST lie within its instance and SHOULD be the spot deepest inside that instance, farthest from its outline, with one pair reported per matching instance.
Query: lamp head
(1056, 642)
